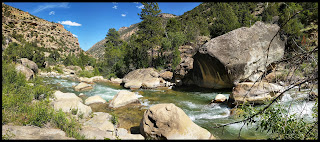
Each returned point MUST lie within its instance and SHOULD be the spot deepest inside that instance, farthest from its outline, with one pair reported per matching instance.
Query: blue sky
(90, 22)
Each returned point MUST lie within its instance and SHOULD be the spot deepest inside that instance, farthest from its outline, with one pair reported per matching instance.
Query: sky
(90, 22)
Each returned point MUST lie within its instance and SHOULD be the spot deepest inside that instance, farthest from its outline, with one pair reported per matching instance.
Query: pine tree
(150, 29)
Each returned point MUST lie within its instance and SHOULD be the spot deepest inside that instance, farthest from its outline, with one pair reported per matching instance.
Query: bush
(111, 75)
(41, 114)
(58, 69)
(85, 73)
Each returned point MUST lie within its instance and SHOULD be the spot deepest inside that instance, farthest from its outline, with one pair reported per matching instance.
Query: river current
(196, 104)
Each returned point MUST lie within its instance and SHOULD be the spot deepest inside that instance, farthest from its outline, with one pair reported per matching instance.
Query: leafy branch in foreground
(273, 117)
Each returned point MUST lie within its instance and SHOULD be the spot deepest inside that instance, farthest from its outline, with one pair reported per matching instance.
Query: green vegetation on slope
(25, 104)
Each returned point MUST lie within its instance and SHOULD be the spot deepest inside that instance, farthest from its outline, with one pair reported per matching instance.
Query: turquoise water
(195, 103)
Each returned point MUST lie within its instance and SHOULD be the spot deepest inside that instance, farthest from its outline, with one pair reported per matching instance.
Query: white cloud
(50, 6)
(69, 23)
(123, 15)
(115, 7)
(136, 2)
(74, 35)
(52, 13)
(141, 6)
(114, 3)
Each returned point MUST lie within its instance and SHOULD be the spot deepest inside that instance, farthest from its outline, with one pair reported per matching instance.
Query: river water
(194, 102)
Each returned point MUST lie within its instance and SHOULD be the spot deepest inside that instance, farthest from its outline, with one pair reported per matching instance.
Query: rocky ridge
(18, 25)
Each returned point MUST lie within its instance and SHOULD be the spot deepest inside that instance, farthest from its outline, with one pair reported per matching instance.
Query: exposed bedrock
(237, 56)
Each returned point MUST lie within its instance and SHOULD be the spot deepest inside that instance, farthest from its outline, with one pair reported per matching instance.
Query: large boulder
(123, 134)
(86, 80)
(98, 79)
(70, 105)
(116, 80)
(123, 98)
(100, 127)
(100, 120)
(30, 64)
(95, 133)
(33, 133)
(24, 70)
(167, 121)
(167, 75)
(94, 99)
(60, 96)
(237, 56)
(151, 83)
(136, 78)
(83, 87)
(254, 93)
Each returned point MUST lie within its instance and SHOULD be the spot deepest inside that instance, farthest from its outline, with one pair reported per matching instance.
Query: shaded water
(193, 101)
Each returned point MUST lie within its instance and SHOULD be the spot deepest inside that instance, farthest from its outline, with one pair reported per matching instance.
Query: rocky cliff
(18, 25)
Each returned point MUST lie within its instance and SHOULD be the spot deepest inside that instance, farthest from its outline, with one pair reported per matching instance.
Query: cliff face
(18, 25)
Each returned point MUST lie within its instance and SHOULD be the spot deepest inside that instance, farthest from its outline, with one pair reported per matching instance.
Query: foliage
(114, 54)
(149, 34)
(85, 73)
(57, 69)
(226, 20)
(28, 50)
(19, 108)
(283, 125)
(55, 55)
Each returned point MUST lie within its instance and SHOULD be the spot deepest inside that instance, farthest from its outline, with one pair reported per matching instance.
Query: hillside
(19, 26)
(196, 22)
(97, 50)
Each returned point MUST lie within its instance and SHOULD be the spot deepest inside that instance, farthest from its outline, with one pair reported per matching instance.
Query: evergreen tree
(226, 20)
(150, 29)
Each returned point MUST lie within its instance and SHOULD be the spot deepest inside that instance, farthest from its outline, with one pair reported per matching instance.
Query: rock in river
(167, 121)
(94, 99)
(256, 93)
(83, 87)
(123, 98)
(142, 77)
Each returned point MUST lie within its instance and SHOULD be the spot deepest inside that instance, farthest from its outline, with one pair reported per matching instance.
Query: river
(193, 101)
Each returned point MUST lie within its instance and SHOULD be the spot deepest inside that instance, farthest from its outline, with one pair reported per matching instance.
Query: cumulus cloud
(114, 3)
(69, 23)
(74, 35)
(123, 15)
(141, 6)
(115, 7)
(52, 13)
(50, 6)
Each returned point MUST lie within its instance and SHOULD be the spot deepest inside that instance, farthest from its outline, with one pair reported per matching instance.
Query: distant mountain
(18, 25)
(97, 50)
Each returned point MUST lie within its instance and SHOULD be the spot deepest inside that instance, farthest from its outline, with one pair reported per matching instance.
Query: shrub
(58, 69)
(41, 114)
(85, 73)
